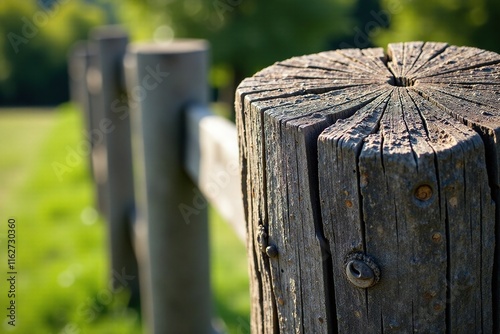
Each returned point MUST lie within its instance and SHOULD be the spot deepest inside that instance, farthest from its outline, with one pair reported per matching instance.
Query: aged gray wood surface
(383, 166)
(172, 212)
(112, 155)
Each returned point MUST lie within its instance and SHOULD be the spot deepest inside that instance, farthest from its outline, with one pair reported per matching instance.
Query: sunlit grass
(61, 261)
(229, 276)
(62, 281)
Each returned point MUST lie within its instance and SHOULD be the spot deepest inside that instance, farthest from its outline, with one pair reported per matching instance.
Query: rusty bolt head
(436, 237)
(423, 192)
(361, 271)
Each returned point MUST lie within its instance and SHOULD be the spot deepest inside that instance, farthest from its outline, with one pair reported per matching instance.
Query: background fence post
(162, 79)
(114, 127)
(78, 64)
(83, 91)
(375, 175)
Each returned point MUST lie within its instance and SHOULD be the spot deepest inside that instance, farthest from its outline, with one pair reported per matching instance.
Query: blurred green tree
(246, 35)
(34, 41)
(459, 22)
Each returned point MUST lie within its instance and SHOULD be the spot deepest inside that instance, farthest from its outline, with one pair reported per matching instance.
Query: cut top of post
(109, 32)
(411, 95)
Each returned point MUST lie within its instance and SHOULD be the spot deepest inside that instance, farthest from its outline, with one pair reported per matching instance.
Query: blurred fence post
(162, 79)
(78, 64)
(82, 63)
(114, 127)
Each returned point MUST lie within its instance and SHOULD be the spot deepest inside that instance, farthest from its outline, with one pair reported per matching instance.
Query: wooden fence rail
(370, 184)
(211, 159)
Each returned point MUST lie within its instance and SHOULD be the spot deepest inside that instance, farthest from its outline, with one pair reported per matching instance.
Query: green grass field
(61, 260)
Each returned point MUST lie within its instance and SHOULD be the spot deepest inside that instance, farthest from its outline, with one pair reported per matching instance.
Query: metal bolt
(272, 251)
(436, 237)
(361, 271)
(360, 274)
(423, 192)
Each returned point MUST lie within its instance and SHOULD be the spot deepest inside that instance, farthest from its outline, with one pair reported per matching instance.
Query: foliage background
(246, 35)
(37, 73)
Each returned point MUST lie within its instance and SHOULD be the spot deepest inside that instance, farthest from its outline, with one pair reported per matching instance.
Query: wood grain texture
(171, 211)
(392, 155)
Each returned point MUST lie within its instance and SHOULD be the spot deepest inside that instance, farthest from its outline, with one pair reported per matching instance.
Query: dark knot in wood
(401, 81)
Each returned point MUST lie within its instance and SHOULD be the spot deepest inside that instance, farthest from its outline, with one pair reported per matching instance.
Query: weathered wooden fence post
(78, 64)
(82, 65)
(112, 125)
(162, 79)
(368, 184)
